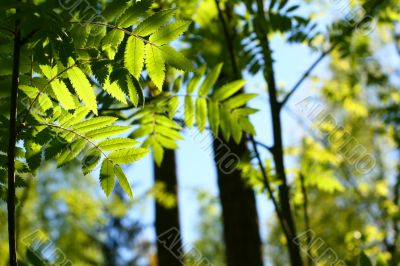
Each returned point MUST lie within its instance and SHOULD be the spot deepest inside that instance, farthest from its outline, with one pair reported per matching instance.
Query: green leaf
(154, 22)
(237, 132)
(35, 258)
(170, 32)
(210, 80)
(114, 9)
(135, 92)
(292, 8)
(114, 90)
(71, 151)
(90, 161)
(148, 142)
(80, 36)
(239, 100)
(78, 115)
(165, 121)
(189, 111)
(134, 56)
(158, 153)
(282, 4)
(246, 111)
(117, 144)
(247, 125)
(106, 132)
(48, 71)
(167, 132)
(62, 94)
(155, 65)
(31, 92)
(173, 106)
(192, 85)
(175, 59)
(381, 260)
(83, 88)
(107, 180)
(228, 90)
(166, 142)
(142, 131)
(123, 180)
(201, 113)
(213, 116)
(128, 155)
(94, 123)
(363, 260)
(133, 13)
(45, 102)
(33, 154)
(177, 85)
(226, 119)
(111, 42)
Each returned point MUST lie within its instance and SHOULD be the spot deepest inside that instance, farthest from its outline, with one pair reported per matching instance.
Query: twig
(265, 146)
(265, 177)
(307, 74)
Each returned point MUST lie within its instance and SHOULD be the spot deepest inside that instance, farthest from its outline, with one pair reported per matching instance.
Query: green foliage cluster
(73, 66)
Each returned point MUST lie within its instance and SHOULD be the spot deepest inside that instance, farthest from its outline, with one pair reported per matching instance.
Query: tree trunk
(241, 231)
(169, 244)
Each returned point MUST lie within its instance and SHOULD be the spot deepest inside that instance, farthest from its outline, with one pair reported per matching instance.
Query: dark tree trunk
(169, 244)
(241, 231)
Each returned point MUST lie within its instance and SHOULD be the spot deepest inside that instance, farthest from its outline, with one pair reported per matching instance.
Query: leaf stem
(121, 29)
(77, 134)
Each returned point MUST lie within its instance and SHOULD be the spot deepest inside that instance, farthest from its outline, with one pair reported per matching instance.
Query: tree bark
(169, 253)
(241, 231)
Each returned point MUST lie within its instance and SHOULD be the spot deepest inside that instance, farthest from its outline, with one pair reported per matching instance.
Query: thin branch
(265, 146)
(287, 220)
(119, 28)
(306, 219)
(268, 187)
(129, 107)
(307, 74)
